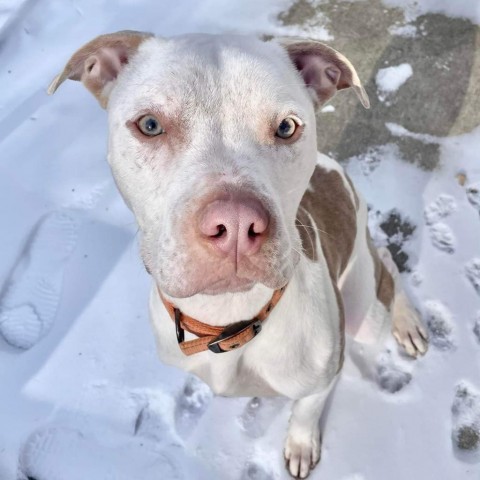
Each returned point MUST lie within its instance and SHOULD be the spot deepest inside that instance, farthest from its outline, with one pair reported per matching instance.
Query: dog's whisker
(312, 245)
(294, 190)
(299, 224)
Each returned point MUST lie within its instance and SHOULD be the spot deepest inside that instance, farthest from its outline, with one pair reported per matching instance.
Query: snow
(328, 109)
(408, 31)
(35, 286)
(84, 395)
(390, 79)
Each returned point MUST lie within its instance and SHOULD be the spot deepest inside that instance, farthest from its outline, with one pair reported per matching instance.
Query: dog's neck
(223, 309)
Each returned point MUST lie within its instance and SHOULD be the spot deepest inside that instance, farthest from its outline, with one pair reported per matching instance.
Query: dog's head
(212, 145)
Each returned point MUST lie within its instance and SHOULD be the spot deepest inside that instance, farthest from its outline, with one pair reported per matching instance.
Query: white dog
(257, 245)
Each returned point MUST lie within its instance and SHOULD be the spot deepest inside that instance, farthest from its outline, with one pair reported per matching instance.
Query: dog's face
(212, 145)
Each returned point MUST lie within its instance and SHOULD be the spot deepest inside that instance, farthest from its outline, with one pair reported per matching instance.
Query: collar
(218, 339)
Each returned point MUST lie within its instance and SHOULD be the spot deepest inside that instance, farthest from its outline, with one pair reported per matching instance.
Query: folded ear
(324, 70)
(98, 63)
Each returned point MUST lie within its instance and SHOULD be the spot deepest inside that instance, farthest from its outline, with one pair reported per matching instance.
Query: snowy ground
(83, 395)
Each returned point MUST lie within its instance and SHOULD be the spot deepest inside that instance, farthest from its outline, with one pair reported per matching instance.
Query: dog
(257, 244)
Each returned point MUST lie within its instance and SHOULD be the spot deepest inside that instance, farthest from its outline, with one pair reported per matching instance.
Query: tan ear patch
(99, 62)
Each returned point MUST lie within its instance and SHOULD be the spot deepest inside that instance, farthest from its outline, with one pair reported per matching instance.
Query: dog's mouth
(229, 285)
(210, 282)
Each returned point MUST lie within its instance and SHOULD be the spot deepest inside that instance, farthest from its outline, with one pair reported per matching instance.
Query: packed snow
(83, 393)
(390, 79)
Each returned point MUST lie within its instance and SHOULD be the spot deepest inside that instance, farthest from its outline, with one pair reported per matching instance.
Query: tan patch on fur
(383, 279)
(355, 196)
(329, 204)
(99, 61)
(334, 215)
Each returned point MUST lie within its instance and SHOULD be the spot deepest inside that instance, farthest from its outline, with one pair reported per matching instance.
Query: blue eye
(150, 126)
(287, 128)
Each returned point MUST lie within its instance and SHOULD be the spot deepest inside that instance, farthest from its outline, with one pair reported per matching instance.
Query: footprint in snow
(192, 403)
(442, 237)
(466, 421)
(392, 373)
(391, 376)
(155, 420)
(259, 414)
(60, 453)
(29, 303)
(384, 363)
(476, 327)
(441, 234)
(254, 471)
(473, 195)
(440, 208)
(438, 320)
(472, 271)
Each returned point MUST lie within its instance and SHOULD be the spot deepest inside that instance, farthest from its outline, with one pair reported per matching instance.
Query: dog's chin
(233, 284)
(225, 285)
(218, 282)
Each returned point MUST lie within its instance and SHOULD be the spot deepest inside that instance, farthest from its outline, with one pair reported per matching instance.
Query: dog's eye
(287, 128)
(149, 126)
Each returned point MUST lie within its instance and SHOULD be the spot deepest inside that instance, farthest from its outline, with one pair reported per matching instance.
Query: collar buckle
(178, 326)
(240, 330)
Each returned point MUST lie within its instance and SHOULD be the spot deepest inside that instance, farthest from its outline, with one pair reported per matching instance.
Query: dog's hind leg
(407, 327)
(390, 308)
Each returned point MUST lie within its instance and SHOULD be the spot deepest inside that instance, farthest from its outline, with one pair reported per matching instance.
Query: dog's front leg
(303, 444)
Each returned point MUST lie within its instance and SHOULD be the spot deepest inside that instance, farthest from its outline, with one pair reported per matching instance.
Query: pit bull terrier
(257, 245)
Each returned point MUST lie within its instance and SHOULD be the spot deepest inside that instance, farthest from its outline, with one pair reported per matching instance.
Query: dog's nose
(235, 227)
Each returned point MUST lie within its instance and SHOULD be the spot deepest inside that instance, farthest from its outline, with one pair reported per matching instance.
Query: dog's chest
(230, 376)
(290, 356)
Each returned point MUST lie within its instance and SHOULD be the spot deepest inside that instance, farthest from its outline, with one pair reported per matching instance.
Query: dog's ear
(324, 70)
(99, 62)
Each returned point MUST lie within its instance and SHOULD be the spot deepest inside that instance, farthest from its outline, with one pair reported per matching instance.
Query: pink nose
(235, 227)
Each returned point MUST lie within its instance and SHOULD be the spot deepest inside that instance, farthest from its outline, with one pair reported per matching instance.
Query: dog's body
(234, 202)
(300, 349)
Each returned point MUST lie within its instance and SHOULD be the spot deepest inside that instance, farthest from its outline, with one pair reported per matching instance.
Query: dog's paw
(302, 453)
(408, 329)
(412, 336)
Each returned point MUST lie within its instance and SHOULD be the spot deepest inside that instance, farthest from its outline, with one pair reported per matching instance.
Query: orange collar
(218, 339)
